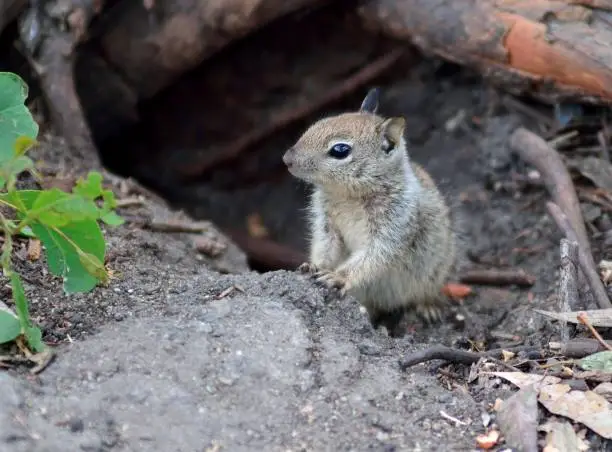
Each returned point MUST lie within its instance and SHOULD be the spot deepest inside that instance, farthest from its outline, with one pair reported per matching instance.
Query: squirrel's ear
(370, 103)
(393, 129)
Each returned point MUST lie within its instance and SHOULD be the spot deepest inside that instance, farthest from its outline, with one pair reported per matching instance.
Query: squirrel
(380, 228)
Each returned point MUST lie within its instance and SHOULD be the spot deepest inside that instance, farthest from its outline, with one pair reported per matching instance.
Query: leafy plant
(65, 223)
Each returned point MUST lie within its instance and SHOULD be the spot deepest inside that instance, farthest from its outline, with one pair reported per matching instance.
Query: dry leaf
(518, 420)
(456, 291)
(488, 441)
(34, 249)
(604, 390)
(561, 437)
(523, 380)
(598, 317)
(585, 407)
(507, 356)
(256, 227)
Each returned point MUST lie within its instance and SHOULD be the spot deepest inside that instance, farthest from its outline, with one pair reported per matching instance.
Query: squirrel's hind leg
(391, 320)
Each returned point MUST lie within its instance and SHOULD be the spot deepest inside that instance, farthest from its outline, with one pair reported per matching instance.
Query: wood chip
(456, 291)
(597, 317)
(488, 441)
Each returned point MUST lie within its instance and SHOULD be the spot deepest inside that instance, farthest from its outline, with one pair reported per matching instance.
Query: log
(151, 49)
(552, 49)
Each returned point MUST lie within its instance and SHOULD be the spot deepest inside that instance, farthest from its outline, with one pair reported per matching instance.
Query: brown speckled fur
(380, 227)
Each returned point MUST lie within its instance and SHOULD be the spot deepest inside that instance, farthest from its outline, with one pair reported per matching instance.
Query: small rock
(369, 348)
(76, 425)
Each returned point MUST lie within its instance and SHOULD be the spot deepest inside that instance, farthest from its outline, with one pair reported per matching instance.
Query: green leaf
(90, 188)
(63, 258)
(27, 232)
(32, 333)
(112, 219)
(15, 118)
(57, 208)
(22, 200)
(94, 266)
(597, 361)
(10, 327)
(21, 303)
(34, 337)
(23, 144)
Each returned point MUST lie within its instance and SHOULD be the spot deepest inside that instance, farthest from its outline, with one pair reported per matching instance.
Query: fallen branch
(577, 348)
(535, 151)
(586, 260)
(195, 169)
(498, 277)
(267, 253)
(54, 64)
(458, 356)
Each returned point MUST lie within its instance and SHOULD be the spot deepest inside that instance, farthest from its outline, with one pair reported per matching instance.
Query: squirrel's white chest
(352, 223)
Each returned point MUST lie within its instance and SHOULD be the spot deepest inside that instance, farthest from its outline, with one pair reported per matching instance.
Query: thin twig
(562, 139)
(458, 356)
(513, 103)
(587, 265)
(585, 321)
(603, 142)
(453, 419)
(247, 140)
(497, 277)
(177, 225)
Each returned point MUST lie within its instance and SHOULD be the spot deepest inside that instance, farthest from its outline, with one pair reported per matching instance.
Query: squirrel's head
(351, 149)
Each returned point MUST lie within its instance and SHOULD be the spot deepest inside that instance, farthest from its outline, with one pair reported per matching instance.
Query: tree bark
(551, 49)
(151, 48)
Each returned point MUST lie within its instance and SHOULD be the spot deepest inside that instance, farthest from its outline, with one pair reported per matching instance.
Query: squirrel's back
(379, 224)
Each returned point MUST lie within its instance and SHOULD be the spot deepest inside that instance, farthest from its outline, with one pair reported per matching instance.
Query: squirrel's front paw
(307, 267)
(332, 280)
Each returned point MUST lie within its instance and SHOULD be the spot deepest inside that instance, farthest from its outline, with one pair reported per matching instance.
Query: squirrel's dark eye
(339, 150)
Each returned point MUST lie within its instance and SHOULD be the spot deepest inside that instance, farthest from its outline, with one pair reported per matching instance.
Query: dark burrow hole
(204, 114)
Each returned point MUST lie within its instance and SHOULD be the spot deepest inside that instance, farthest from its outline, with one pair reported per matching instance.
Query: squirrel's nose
(288, 158)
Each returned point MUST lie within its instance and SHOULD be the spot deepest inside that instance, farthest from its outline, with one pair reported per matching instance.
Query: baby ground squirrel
(380, 228)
